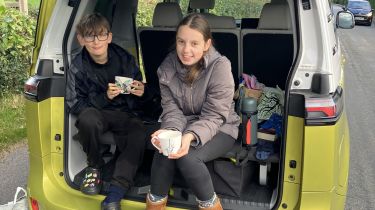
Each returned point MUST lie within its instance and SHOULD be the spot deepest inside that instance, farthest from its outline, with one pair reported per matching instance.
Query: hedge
(16, 43)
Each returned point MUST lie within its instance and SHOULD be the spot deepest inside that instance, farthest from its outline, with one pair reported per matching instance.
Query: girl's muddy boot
(215, 206)
(157, 205)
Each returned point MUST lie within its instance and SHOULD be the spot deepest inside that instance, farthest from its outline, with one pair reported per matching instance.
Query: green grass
(12, 120)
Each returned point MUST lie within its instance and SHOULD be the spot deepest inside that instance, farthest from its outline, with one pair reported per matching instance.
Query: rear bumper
(47, 185)
(322, 201)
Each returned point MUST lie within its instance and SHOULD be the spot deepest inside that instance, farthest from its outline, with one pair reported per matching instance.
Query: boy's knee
(89, 118)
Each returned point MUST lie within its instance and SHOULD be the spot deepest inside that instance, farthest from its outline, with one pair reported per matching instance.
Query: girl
(197, 88)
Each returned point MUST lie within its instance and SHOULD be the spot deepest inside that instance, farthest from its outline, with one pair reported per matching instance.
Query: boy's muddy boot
(216, 206)
(158, 205)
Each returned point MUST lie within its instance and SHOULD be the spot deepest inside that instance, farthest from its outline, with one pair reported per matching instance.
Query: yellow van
(291, 46)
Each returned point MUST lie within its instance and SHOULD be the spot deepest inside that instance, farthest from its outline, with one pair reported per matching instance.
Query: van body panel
(291, 195)
(43, 19)
(323, 170)
(52, 44)
(315, 164)
(293, 152)
(47, 185)
(44, 123)
(322, 201)
(320, 50)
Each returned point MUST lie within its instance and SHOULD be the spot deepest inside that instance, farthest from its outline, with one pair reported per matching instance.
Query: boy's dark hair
(93, 24)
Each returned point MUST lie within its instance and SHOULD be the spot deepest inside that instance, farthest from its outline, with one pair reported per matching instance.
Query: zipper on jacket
(191, 97)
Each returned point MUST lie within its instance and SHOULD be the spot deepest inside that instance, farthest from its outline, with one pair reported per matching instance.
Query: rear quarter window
(236, 8)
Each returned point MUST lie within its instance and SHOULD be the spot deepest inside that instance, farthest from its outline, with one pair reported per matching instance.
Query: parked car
(362, 11)
(294, 47)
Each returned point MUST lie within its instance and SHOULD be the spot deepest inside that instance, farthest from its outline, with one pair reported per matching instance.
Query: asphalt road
(358, 47)
(14, 168)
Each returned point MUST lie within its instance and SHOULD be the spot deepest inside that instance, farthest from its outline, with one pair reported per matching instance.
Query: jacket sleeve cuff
(172, 126)
(196, 142)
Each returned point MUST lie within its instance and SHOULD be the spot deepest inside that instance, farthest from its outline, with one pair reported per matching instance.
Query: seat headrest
(275, 16)
(167, 14)
(202, 4)
(218, 22)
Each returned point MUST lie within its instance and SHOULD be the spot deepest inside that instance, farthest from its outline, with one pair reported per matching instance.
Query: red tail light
(34, 204)
(320, 107)
(324, 109)
(31, 88)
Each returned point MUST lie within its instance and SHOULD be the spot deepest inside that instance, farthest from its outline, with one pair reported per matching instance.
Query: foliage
(236, 8)
(16, 43)
(33, 4)
(239, 8)
(34, 8)
(12, 120)
(145, 12)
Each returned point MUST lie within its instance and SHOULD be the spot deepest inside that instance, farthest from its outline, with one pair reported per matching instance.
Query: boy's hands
(113, 91)
(137, 88)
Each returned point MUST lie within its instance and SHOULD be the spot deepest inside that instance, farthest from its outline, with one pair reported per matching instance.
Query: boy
(93, 96)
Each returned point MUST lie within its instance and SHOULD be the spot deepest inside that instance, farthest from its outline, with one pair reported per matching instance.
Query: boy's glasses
(100, 37)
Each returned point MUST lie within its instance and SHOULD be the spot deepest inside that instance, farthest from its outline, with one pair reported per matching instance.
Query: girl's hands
(185, 145)
(137, 88)
(113, 91)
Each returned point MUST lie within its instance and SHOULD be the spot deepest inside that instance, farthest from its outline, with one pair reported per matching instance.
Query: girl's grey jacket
(206, 106)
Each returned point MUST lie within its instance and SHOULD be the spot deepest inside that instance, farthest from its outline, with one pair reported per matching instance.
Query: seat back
(267, 52)
(157, 41)
(227, 41)
(225, 34)
(251, 23)
(202, 5)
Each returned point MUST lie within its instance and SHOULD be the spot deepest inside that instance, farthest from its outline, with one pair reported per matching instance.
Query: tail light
(31, 88)
(34, 204)
(322, 110)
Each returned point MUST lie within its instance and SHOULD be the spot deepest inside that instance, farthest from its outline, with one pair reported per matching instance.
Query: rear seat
(267, 52)
(157, 41)
(227, 41)
(225, 33)
(202, 6)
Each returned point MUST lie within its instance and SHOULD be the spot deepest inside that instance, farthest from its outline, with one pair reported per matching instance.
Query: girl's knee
(188, 162)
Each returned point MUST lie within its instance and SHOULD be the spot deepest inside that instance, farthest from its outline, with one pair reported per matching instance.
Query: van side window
(144, 13)
(244, 9)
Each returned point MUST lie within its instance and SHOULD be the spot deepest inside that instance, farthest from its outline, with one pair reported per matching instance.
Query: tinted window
(359, 5)
(235, 8)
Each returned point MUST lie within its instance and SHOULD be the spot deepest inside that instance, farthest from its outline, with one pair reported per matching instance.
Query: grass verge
(12, 120)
